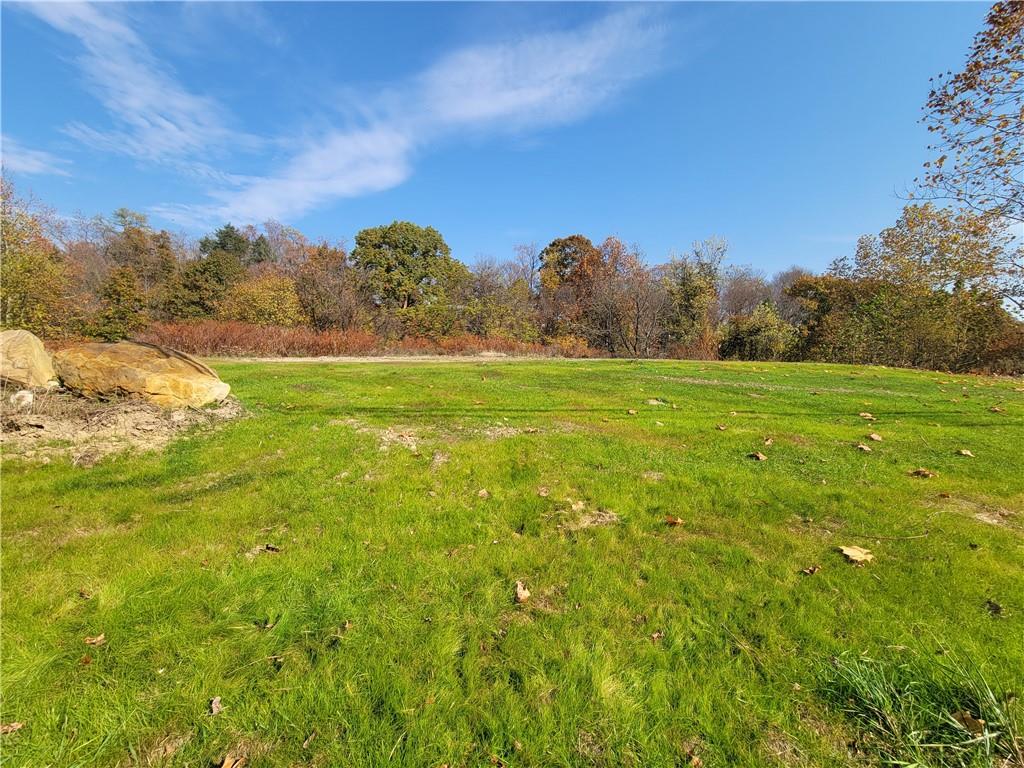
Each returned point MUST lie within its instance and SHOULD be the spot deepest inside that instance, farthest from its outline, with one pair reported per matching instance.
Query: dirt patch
(404, 437)
(991, 514)
(59, 424)
(593, 519)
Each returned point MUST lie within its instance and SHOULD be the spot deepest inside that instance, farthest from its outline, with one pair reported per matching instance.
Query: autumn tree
(977, 119)
(35, 284)
(742, 290)
(331, 292)
(264, 299)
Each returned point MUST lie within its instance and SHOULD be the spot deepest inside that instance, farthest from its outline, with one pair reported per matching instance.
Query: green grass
(385, 625)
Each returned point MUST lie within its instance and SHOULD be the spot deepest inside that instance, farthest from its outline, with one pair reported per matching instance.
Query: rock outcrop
(130, 369)
(24, 361)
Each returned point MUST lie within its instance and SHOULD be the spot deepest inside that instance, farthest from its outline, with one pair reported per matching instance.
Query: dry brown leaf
(922, 472)
(522, 593)
(672, 520)
(579, 506)
(483, 493)
(632, 411)
(996, 409)
(215, 706)
(100, 639)
(857, 555)
(657, 635)
(973, 725)
(875, 436)
(231, 760)
(866, 416)
(6, 728)
(810, 570)
(965, 452)
(757, 456)
(309, 740)
(86, 660)
(768, 441)
(544, 491)
(864, 448)
(720, 427)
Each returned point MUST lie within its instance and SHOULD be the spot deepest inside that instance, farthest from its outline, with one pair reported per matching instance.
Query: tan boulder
(130, 369)
(24, 360)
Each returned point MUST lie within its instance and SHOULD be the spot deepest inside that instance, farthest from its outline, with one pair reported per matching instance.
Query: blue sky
(788, 128)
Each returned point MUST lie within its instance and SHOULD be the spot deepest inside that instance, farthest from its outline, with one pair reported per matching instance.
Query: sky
(788, 128)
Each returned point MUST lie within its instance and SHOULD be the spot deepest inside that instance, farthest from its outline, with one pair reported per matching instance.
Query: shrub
(212, 338)
(762, 335)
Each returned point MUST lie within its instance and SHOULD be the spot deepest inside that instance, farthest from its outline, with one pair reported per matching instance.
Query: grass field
(402, 503)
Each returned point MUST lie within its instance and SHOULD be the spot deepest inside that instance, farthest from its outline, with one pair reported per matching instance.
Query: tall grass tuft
(927, 711)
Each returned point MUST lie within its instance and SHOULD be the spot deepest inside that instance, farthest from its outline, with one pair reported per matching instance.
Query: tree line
(934, 290)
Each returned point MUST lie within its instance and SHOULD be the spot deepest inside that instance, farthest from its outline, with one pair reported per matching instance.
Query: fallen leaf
(86, 660)
(672, 520)
(875, 436)
(6, 728)
(653, 401)
(922, 472)
(84, 594)
(768, 441)
(309, 740)
(522, 593)
(857, 555)
(543, 491)
(757, 456)
(720, 427)
(483, 493)
(993, 607)
(973, 725)
(632, 411)
(864, 448)
(810, 570)
(657, 635)
(965, 452)
(231, 760)
(579, 506)
(215, 706)
(100, 639)
(866, 416)
(996, 409)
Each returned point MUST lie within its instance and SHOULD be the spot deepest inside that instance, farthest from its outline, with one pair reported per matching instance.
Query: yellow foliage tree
(263, 300)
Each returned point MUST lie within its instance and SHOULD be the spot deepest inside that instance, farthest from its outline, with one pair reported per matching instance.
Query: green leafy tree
(405, 264)
(692, 283)
(123, 306)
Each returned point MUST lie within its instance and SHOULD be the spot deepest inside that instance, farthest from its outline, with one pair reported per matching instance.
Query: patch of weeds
(916, 710)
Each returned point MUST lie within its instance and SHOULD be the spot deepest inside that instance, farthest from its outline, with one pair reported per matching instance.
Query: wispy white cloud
(155, 117)
(529, 83)
(512, 87)
(17, 158)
